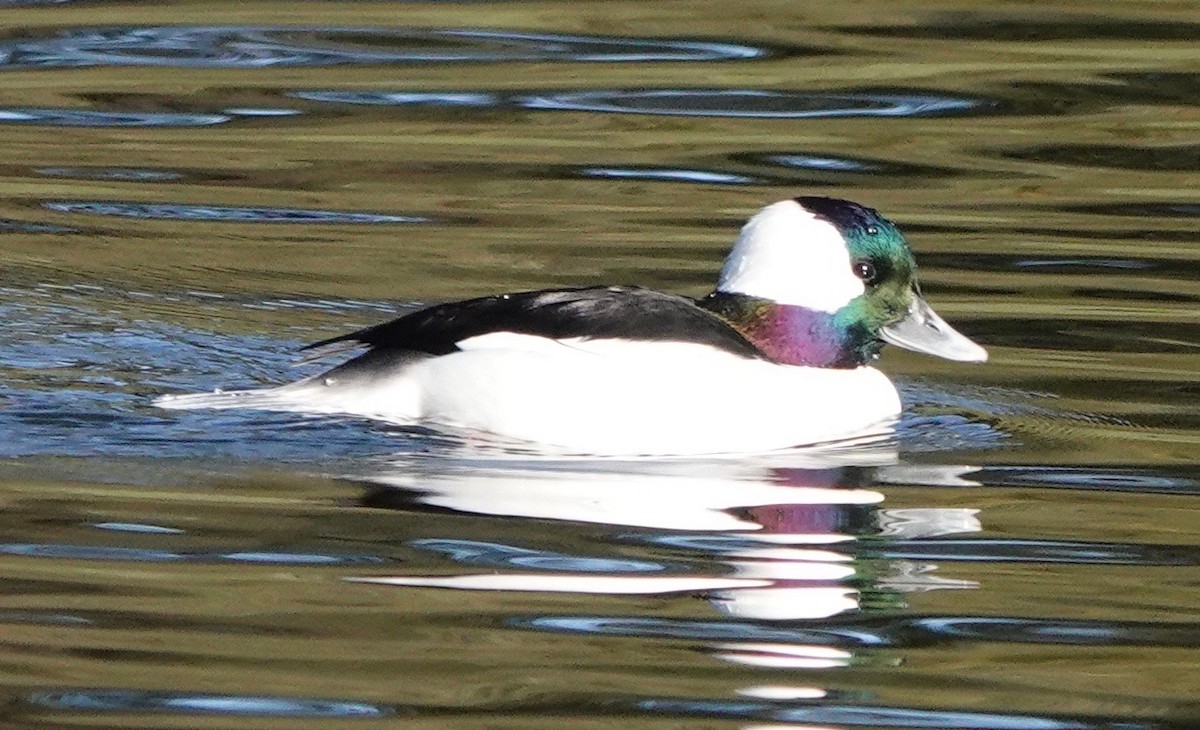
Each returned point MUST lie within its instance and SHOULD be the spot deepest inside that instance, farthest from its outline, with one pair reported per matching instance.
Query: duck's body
(776, 357)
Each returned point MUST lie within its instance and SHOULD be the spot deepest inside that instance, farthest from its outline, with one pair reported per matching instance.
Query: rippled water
(192, 192)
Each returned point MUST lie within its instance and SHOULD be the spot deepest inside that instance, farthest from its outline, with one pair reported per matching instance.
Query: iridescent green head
(841, 277)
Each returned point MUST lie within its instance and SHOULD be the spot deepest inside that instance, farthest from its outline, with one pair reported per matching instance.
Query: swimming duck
(778, 355)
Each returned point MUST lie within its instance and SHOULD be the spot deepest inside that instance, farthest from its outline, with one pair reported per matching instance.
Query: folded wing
(597, 313)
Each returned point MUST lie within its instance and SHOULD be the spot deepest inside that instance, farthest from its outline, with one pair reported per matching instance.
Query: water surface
(191, 193)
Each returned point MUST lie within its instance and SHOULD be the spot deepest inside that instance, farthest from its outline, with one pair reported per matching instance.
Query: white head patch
(788, 255)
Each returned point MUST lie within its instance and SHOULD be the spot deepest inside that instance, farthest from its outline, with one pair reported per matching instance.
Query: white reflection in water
(781, 601)
(780, 534)
(918, 522)
(559, 583)
(783, 692)
(783, 656)
(672, 497)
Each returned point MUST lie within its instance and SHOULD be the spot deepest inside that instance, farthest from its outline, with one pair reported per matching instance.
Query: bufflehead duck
(777, 356)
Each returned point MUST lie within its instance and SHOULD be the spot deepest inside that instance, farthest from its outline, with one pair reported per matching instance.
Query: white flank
(786, 254)
(626, 397)
(603, 397)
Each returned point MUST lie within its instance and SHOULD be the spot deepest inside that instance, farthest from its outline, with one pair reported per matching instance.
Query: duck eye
(865, 270)
(872, 230)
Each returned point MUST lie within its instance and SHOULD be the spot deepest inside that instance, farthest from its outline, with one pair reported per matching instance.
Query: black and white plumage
(613, 312)
(777, 356)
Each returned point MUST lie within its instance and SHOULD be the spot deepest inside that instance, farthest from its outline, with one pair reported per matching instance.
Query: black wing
(594, 313)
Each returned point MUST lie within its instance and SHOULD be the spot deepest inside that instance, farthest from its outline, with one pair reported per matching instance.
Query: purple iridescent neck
(793, 335)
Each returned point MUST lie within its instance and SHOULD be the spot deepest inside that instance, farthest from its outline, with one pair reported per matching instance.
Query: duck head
(825, 282)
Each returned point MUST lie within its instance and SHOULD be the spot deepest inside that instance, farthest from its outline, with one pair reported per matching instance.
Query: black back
(614, 312)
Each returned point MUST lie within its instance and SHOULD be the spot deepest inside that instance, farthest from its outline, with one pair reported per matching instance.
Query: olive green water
(189, 191)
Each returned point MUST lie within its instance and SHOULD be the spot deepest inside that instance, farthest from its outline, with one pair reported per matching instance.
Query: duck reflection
(796, 537)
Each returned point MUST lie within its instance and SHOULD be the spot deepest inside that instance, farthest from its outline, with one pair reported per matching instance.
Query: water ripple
(1014, 28)
(872, 715)
(1147, 210)
(138, 527)
(261, 46)
(1103, 479)
(473, 552)
(203, 704)
(1057, 631)
(1082, 263)
(757, 103)
(1040, 551)
(669, 174)
(97, 552)
(893, 632)
(984, 550)
(811, 707)
(735, 103)
(50, 619)
(121, 174)
(92, 118)
(823, 162)
(1173, 158)
(817, 167)
(406, 98)
(9, 225)
(672, 628)
(240, 214)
